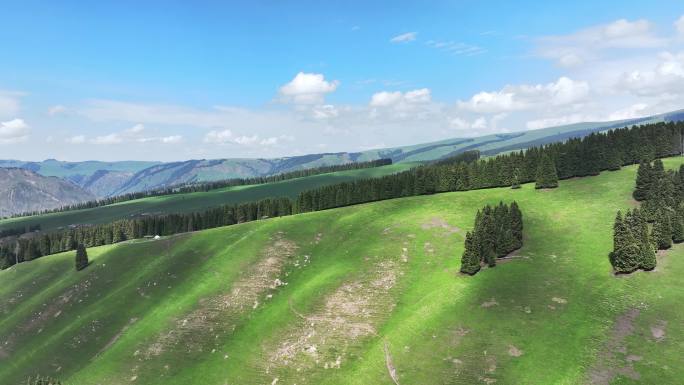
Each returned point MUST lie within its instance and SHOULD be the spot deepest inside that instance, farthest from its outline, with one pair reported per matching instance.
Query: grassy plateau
(368, 294)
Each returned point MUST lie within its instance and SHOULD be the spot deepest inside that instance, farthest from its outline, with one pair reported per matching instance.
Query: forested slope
(357, 295)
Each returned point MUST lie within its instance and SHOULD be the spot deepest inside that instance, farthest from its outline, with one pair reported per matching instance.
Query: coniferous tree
(662, 231)
(643, 181)
(626, 255)
(678, 226)
(470, 261)
(547, 176)
(81, 257)
(614, 161)
(647, 256)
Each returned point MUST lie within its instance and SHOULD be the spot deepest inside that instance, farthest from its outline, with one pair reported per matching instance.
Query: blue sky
(176, 80)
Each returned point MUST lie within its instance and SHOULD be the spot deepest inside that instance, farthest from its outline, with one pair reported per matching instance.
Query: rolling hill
(367, 294)
(23, 190)
(115, 178)
(191, 202)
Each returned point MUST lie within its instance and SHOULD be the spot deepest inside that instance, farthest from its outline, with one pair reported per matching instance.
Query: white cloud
(479, 126)
(679, 25)
(590, 43)
(214, 136)
(9, 103)
(634, 111)
(397, 98)
(13, 131)
(56, 110)
(385, 99)
(171, 139)
(562, 92)
(77, 139)
(108, 139)
(557, 121)
(404, 37)
(138, 128)
(307, 88)
(456, 48)
(246, 140)
(667, 78)
(325, 111)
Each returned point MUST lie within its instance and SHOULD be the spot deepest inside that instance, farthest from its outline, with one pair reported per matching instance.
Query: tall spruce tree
(643, 181)
(81, 257)
(626, 255)
(647, 256)
(662, 230)
(547, 176)
(678, 226)
(470, 261)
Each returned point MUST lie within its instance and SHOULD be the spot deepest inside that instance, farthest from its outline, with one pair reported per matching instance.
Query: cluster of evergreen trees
(662, 195)
(208, 186)
(35, 245)
(497, 232)
(545, 165)
(633, 246)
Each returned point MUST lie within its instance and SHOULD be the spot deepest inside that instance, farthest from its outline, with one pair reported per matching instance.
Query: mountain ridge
(105, 179)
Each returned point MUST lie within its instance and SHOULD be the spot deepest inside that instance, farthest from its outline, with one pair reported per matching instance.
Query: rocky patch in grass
(217, 315)
(326, 338)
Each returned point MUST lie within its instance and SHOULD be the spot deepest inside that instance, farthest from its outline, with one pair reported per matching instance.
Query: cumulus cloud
(666, 78)
(404, 37)
(13, 131)
(307, 88)
(562, 92)
(227, 137)
(215, 136)
(397, 98)
(638, 110)
(479, 126)
(108, 139)
(590, 43)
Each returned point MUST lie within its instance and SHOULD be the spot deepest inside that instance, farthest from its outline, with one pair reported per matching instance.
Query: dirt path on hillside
(390, 366)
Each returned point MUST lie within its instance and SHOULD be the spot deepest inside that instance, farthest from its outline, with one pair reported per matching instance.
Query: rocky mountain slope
(23, 190)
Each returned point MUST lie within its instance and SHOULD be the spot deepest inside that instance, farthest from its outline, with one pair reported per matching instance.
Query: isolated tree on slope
(81, 257)
(547, 176)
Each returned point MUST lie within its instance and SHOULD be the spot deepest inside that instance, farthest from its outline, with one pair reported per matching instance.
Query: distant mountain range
(23, 190)
(113, 178)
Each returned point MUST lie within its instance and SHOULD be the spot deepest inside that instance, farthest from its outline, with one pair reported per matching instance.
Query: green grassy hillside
(181, 203)
(368, 294)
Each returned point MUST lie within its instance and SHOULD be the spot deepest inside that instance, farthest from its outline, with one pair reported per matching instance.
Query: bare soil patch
(348, 315)
(440, 223)
(608, 364)
(514, 351)
(658, 330)
(218, 315)
(490, 303)
(390, 366)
